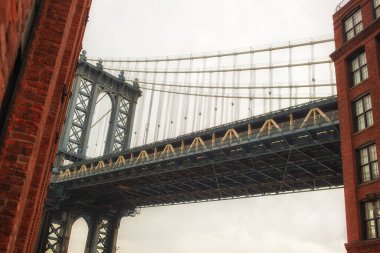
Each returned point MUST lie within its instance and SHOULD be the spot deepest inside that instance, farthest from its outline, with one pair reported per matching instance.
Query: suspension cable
(258, 49)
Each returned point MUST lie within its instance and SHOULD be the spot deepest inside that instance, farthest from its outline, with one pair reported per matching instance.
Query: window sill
(359, 84)
(368, 182)
(363, 130)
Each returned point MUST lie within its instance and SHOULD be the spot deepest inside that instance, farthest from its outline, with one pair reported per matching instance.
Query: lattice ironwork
(103, 236)
(79, 117)
(122, 125)
(55, 237)
(291, 150)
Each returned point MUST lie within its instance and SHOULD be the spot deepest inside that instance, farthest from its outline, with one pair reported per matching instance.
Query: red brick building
(39, 46)
(357, 38)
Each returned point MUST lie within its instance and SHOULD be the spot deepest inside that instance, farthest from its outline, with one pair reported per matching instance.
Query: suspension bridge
(169, 130)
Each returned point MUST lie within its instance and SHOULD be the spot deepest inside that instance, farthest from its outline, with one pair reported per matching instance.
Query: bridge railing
(269, 129)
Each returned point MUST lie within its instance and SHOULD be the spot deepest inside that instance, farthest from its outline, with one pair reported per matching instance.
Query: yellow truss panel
(120, 161)
(314, 112)
(142, 156)
(101, 165)
(230, 134)
(197, 142)
(169, 149)
(82, 169)
(268, 125)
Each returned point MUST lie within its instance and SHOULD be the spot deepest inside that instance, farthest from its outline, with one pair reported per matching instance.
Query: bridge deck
(278, 157)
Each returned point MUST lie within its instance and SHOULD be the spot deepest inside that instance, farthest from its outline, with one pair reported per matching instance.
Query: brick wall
(28, 146)
(13, 19)
(356, 193)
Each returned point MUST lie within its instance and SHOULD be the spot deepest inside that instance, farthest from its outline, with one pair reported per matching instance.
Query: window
(372, 219)
(358, 68)
(363, 113)
(367, 163)
(353, 25)
(376, 7)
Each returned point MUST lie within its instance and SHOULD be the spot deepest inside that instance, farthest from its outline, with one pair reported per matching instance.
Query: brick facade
(357, 192)
(36, 113)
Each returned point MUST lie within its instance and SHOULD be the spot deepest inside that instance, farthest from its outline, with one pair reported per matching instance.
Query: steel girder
(280, 163)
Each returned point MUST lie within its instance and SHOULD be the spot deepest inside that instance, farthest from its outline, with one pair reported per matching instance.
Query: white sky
(307, 222)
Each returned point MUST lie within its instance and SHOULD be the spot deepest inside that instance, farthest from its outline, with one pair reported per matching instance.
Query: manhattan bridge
(144, 132)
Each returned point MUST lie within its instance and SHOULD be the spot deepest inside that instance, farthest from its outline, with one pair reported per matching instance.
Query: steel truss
(302, 154)
(56, 231)
(90, 81)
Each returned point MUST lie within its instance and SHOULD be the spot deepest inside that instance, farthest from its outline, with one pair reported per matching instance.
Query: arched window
(99, 126)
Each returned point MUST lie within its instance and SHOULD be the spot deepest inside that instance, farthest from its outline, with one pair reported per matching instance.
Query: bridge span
(289, 150)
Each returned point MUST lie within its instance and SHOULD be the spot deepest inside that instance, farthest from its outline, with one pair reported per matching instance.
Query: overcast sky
(307, 222)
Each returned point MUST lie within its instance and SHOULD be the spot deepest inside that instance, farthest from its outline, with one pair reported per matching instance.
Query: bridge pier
(102, 235)
(56, 230)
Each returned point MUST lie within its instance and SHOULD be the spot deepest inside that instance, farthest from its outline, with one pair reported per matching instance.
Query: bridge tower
(91, 84)
(356, 59)
(103, 219)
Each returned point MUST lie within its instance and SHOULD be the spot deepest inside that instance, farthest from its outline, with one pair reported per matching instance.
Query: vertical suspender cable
(252, 83)
(216, 104)
(209, 103)
(195, 109)
(238, 116)
(312, 71)
(290, 76)
(223, 98)
(175, 105)
(160, 103)
(153, 92)
(270, 81)
(234, 86)
(185, 119)
(200, 104)
(167, 104)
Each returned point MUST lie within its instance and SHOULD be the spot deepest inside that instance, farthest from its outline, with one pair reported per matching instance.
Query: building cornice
(354, 42)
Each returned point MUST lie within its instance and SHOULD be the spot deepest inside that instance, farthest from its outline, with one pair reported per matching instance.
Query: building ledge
(355, 41)
(363, 246)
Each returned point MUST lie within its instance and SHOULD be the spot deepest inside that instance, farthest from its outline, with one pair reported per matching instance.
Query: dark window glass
(363, 117)
(376, 7)
(359, 70)
(372, 219)
(353, 25)
(367, 163)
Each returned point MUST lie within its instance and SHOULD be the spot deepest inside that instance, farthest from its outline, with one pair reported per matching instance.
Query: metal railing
(341, 4)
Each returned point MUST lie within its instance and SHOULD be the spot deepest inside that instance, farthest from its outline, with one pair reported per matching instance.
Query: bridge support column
(102, 234)
(55, 232)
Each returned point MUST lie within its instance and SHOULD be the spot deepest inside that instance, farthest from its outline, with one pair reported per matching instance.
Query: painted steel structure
(91, 81)
(290, 150)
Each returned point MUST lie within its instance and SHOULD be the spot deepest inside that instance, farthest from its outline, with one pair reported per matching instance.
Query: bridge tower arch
(91, 81)
(56, 229)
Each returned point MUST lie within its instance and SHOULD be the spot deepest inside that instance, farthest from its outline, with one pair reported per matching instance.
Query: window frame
(371, 163)
(375, 219)
(367, 113)
(376, 9)
(361, 69)
(356, 27)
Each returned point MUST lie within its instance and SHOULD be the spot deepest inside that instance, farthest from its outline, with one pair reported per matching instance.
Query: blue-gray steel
(89, 82)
